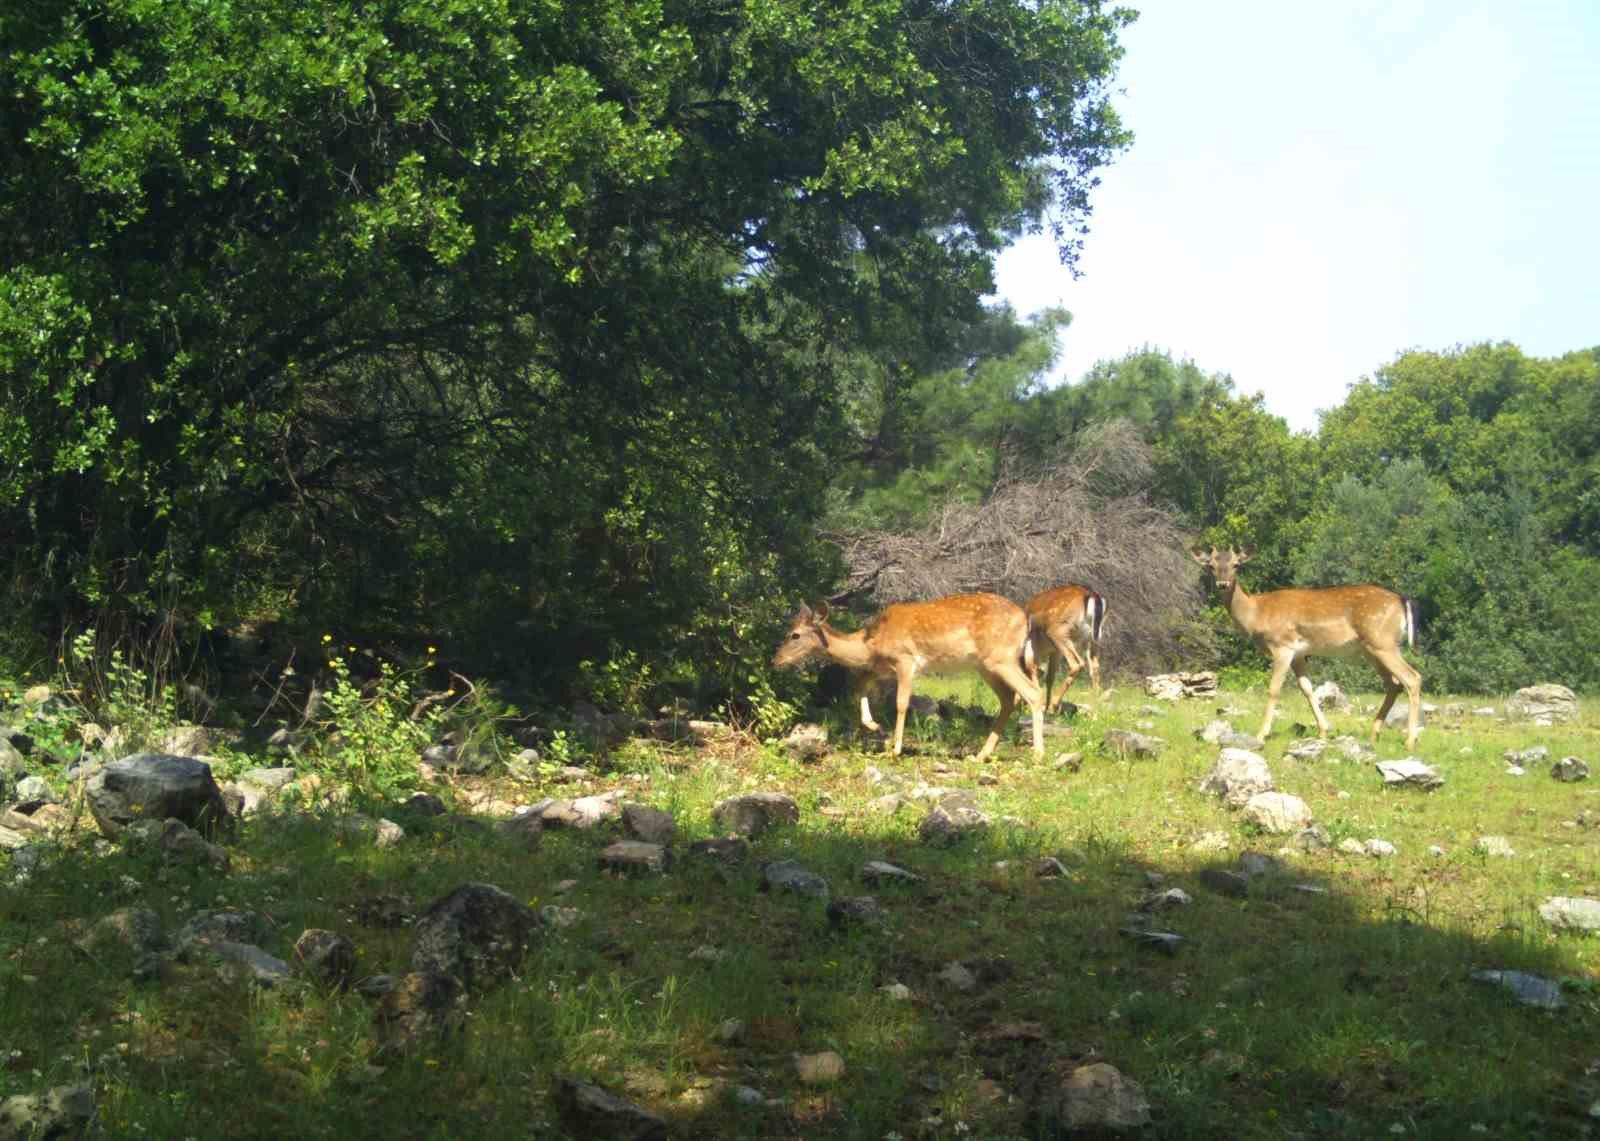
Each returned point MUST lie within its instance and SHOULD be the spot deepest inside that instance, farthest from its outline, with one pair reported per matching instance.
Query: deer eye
(794, 635)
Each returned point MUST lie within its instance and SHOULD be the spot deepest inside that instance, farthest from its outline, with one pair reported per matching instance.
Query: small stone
(1095, 1097)
(421, 804)
(527, 828)
(748, 1095)
(1380, 849)
(1530, 990)
(1238, 775)
(1570, 770)
(899, 992)
(1312, 838)
(1308, 750)
(957, 977)
(790, 876)
(1435, 851)
(857, 911)
(877, 872)
(727, 850)
(1212, 842)
(1048, 867)
(1164, 941)
(952, 819)
(592, 1111)
(731, 1030)
(64, 1111)
(1068, 762)
(328, 957)
(1225, 882)
(1526, 757)
(1125, 743)
(755, 813)
(1253, 864)
(1277, 812)
(1410, 771)
(1566, 913)
(560, 918)
(252, 962)
(819, 1069)
(807, 741)
(1172, 897)
(1493, 846)
(651, 825)
(634, 857)
(1352, 847)
(706, 953)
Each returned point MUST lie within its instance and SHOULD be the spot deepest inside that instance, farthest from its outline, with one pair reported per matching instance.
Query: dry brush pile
(1084, 518)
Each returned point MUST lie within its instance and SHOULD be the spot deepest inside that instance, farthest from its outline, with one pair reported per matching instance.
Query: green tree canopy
(468, 311)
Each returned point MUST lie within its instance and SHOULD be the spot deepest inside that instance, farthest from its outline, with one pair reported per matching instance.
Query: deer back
(1331, 616)
(1063, 609)
(961, 628)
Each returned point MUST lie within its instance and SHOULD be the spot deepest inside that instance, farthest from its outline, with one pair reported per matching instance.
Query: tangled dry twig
(1085, 518)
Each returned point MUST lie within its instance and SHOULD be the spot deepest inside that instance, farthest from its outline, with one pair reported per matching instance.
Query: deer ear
(1245, 555)
(1199, 556)
(803, 614)
(822, 610)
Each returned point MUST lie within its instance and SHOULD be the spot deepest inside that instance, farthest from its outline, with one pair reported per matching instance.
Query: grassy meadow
(1347, 1012)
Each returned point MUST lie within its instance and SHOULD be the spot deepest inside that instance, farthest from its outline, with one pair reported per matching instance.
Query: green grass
(1349, 1014)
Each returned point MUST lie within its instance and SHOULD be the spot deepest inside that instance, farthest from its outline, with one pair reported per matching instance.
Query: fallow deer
(1291, 625)
(984, 631)
(1066, 623)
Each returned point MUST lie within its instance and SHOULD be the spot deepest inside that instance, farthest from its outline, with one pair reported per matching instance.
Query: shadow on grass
(1334, 1013)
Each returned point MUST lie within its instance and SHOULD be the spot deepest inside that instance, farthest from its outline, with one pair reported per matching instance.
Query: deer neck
(1242, 607)
(849, 650)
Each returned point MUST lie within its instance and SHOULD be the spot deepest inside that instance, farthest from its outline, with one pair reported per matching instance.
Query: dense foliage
(523, 325)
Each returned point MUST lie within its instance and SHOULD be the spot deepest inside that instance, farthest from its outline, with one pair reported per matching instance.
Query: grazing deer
(1291, 625)
(984, 631)
(1066, 623)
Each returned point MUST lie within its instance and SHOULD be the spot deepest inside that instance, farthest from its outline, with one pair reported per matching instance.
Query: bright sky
(1317, 186)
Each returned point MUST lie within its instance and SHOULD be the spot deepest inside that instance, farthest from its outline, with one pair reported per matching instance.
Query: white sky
(1317, 186)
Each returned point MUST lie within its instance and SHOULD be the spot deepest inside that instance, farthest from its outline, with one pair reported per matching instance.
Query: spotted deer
(1066, 622)
(981, 631)
(1292, 625)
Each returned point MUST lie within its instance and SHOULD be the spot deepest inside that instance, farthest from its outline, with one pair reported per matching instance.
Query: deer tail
(1097, 613)
(1412, 621)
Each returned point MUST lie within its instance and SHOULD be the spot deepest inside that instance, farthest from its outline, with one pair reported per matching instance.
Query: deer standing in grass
(1291, 625)
(1066, 623)
(984, 631)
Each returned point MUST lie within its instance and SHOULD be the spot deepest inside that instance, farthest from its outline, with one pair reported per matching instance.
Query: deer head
(1223, 565)
(806, 637)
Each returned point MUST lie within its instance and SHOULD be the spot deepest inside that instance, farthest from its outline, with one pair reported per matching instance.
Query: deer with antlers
(983, 631)
(1066, 622)
(1291, 625)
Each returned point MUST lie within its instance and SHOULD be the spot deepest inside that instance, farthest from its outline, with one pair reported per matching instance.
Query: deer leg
(902, 702)
(1008, 701)
(1280, 670)
(1048, 653)
(1398, 674)
(1010, 682)
(1300, 675)
(863, 687)
(1094, 671)
(1075, 664)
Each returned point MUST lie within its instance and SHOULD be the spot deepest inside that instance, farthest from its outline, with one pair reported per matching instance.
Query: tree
(491, 312)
